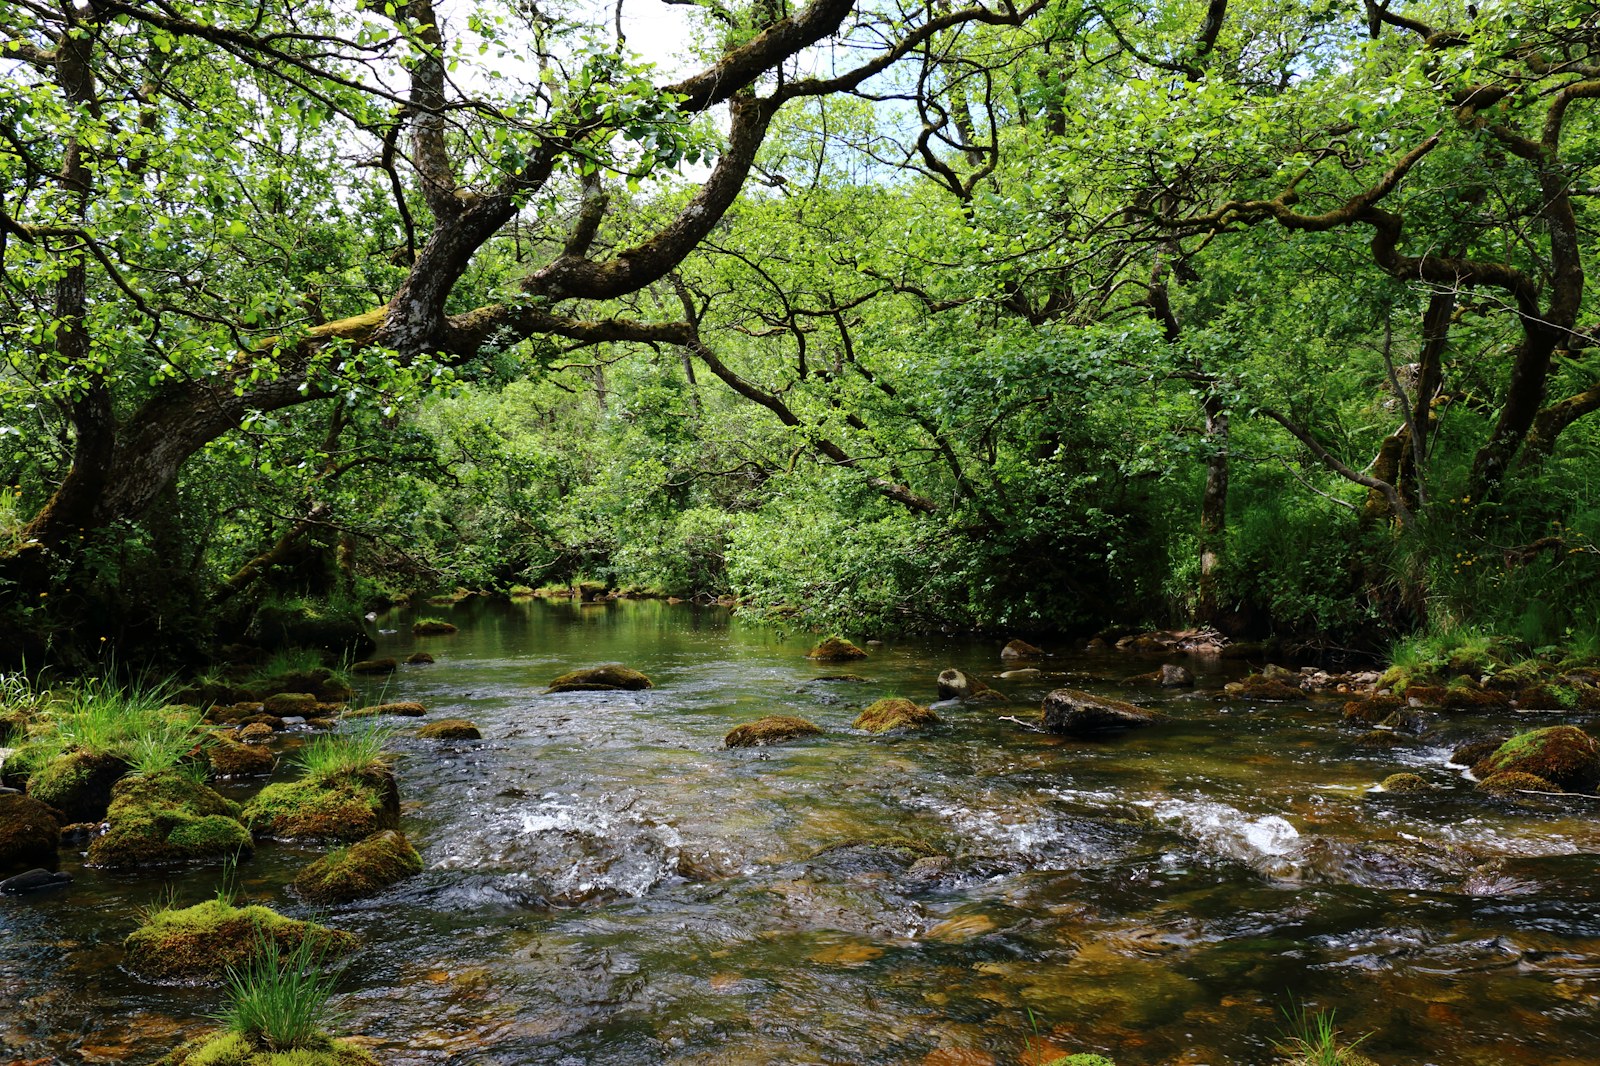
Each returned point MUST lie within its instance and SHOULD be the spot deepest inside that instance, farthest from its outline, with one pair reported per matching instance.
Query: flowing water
(606, 884)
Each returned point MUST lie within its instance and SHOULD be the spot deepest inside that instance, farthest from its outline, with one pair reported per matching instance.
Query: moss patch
(1258, 687)
(431, 627)
(361, 870)
(894, 713)
(835, 650)
(1510, 783)
(78, 784)
(1402, 783)
(200, 943)
(1372, 710)
(450, 729)
(343, 807)
(285, 704)
(229, 758)
(404, 709)
(772, 729)
(233, 1049)
(1563, 754)
(374, 666)
(599, 678)
(419, 658)
(165, 818)
(29, 833)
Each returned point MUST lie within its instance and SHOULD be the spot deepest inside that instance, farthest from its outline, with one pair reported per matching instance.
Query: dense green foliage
(1272, 317)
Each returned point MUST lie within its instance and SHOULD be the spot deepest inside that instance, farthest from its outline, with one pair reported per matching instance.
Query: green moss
(78, 783)
(770, 730)
(233, 1049)
(450, 729)
(1402, 783)
(835, 649)
(13, 723)
(1563, 754)
(363, 869)
(168, 817)
(1082, 1059)
(202, 942)
(405, 709)
(345, 806)
(600, 677)
(894, 713)
(29, 834)
(431, 627)
(1372, 710)
(1511, 782)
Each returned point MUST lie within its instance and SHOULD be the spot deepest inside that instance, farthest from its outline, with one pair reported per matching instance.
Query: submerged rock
(1020, 649)
(1562, 754)
(78, 784)
(894, 713)
(34, 881)
(202, 942)
(404, 709)
(419, 658)
(168, 817)
(773, 729)
(374, 666)
(431, 627)
(1402, 783)
(227, 1048)
(835, 650)
(854, 679)
(364, 869)
(1078, 713)
(30, 833)
(600, 679)
(450, 729)
(344, 806)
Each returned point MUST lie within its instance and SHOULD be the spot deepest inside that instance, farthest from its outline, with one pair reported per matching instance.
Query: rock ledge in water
(600, 679)
(1078, 713)
(772, 729)
(364, 869)
(450, 729)
(200, 943)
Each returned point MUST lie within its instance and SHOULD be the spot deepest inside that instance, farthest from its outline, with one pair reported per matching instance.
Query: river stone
(283, 703)
(835, 650)
(450, 729)
(419, 658)
(1402, 783)
(406, 709)
(772, 729)
(894, 713)
(956, 685)
(1563, 754)
(600, 679)
(431, 627)
(374, 666)
(1025, 673)
(1274, 672)
(1475, 751)
(1175, 676)
(1020, 649)
(1078, 713)
(30, 833)
(34, 881)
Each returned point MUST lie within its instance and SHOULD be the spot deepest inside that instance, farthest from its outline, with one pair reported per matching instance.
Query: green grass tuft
(278, 1000)
(359, 751)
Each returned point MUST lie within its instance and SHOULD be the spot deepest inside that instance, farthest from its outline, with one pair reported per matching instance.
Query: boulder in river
(78, 784)
(1173, 675)
(1078, 713)
(450, 729)
(30, 833)
(419, 658)
(600, 679)
(202, 942)
(343, 806)
(1562, 754)
(374, 666)
(894, 713)
(227, 1048)
(1403, 782)
(835, 650)
(36, 880)
(1512, 782)
(956, 685)
(1473, 752)
(1371, 710)
(168, 817)
(282, 703)
(1261, 687)
(364, 869)
(404, 709)
(431, 627)
(229, 758)
(1017, 650)
(773, 729)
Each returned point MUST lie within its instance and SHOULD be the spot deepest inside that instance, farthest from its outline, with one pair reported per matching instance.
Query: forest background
(883, 316)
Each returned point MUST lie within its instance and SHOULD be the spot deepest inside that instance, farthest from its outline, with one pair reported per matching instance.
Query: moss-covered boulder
(200, 943)
(1512, 782)
(1018, 650)
(345, 806)
(773, 729)
(1371, 710)
(1562, 754)
(956, 684)
(419, 658)
(450, 729)
(78, 784)
(404, 709)
(29, 833)
(229, 758)
(1472, 752)
(364, 869)
(234, 1049)
(286, 704)
(600, 679)
(431, 627)
(894, 713)
(374, 666)
(168, 817)
(1261, 687)
(835, 650)
(1076, 713)
(1402, 783)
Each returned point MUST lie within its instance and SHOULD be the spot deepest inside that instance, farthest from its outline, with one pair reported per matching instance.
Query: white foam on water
(1261, 841)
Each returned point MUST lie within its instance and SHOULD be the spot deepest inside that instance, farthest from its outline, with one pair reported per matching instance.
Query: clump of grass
(281, 1001)
(1312, 1039)
(290, 661)
(135, 723)
(360, 751)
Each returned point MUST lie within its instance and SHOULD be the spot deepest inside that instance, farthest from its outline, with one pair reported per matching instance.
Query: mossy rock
(78, 784)
(1403, 783)
(346, 806)
(320, 682)
(1520, 676)
(1379, 738)
(894, 713)
(854, 679)
(13, 723)
(773, 729)
(233, 1049)
(419, 658)
(835, 650)
(431, 627)
(1020, 649)
(450, 729)
(1081, 1059)
(1469, 697)
(255, 733)
(1563, 754)
(200, 943)
(1260, 687)
(1512, 782)
(1372, 710)
(30, 833)
(168, 817)
(406, 709)
(374, 666)
(1552, 696)
(1475, 751)
(1427, 695)
(286, 704)
(364, 869)
(600, 679)
(229, 758)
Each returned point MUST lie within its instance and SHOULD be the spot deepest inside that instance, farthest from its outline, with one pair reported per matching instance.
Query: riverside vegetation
(1255, 330)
